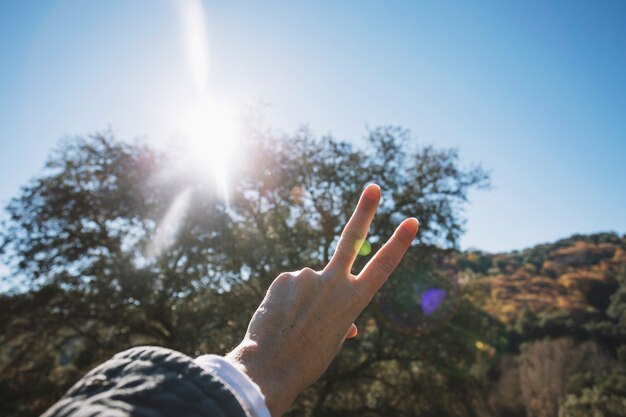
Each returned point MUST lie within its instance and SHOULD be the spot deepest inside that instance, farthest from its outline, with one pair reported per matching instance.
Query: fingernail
(412, 224)
(372, 191)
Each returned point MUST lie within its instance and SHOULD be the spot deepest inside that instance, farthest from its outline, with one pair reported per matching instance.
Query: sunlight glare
(195, 38)
(209, 126)
(169, 226)
(211, 133)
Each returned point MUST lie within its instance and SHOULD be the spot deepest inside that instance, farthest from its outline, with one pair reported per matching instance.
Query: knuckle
(307, 271)
(351, 235)
(349, 239)
(386, 263)
(283, 278)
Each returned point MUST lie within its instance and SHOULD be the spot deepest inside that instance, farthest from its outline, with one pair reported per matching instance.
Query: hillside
(576, 275)
(564, 307)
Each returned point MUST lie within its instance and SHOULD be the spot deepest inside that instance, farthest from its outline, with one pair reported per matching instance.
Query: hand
(306, 315)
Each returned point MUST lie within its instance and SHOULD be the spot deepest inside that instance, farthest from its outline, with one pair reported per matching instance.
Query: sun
(209, 126)
(211, 132)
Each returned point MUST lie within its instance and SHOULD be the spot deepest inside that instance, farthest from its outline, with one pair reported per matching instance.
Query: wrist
(271, 378)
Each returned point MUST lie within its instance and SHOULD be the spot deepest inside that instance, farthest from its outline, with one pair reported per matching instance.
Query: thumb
(352, 332)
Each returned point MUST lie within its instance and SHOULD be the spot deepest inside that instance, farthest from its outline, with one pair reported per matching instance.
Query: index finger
(355, 232)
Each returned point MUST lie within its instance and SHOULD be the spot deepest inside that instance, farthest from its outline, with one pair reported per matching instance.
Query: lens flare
(297, 195)
(169, 226)
(210, 127)
(432, 299)
(364, 247)
(195, 39)
(414, 301)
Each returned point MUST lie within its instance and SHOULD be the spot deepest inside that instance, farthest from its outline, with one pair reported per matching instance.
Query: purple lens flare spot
(432, 299)
(418, 303)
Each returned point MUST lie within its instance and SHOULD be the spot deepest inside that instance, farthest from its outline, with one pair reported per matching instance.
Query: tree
(78, 240)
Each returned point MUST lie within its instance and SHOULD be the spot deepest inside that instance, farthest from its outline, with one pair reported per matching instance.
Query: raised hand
(306, 315)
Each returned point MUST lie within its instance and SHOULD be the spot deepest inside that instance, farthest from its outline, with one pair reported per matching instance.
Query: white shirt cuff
(247, 392)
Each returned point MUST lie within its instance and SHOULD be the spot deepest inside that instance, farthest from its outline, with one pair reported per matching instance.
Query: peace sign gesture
(306, 315)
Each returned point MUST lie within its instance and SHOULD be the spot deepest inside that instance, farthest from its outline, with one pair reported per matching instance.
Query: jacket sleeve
(149, 382)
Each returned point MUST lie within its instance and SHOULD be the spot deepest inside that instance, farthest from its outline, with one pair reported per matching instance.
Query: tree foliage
(79, 239)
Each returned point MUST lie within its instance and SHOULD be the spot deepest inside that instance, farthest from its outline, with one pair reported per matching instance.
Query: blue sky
(535, 90)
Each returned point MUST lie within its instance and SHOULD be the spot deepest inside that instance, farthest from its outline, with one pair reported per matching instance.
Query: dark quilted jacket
(148, 381)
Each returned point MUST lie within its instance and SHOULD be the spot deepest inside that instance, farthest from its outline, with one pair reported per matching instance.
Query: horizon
(534, 92)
